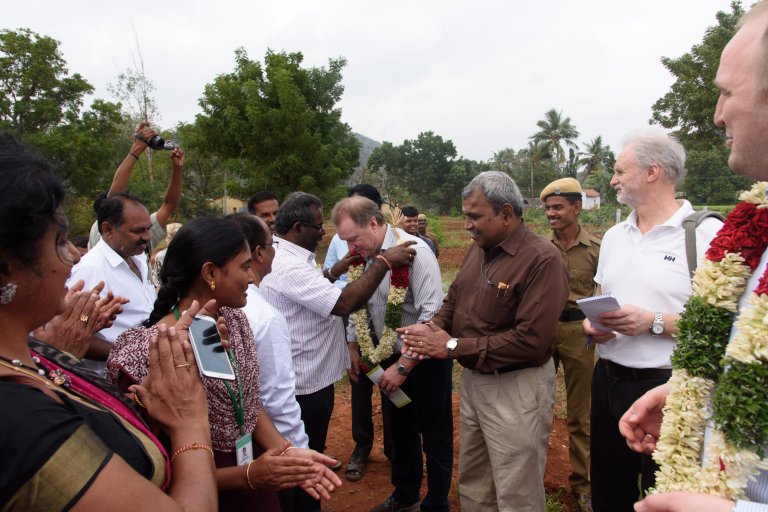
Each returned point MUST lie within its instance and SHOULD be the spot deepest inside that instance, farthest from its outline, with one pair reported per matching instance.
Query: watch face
(401, 369)
(658, 328)
(452, 343)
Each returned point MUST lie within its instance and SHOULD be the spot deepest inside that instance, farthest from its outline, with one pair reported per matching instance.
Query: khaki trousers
(504, 432)
(578, 362)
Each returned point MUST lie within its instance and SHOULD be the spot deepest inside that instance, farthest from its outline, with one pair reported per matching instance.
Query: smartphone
(209, 354)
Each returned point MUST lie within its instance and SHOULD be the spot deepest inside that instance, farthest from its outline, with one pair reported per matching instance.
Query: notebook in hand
(593, 307)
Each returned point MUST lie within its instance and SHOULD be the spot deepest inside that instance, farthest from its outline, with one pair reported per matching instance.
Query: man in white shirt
(742, 109)
(426, 423)
(643, 264)
(313, 306)
(118, 259)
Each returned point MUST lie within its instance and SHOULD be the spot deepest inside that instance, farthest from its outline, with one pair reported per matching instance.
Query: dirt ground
(375, 485)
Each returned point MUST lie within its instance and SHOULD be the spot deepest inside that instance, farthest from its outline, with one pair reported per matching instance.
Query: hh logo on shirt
(667, 257)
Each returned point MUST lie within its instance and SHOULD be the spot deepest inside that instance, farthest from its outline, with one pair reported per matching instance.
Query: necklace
(483, 270)
(16, 363)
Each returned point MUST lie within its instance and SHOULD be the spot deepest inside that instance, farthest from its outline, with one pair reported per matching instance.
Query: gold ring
(84, 318)
(138, 402)
(183, 365)
(421, 344)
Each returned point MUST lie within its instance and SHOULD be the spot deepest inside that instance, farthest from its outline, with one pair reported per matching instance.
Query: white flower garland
(726, 469)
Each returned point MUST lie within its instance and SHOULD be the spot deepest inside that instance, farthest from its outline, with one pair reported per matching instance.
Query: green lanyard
(237, 400)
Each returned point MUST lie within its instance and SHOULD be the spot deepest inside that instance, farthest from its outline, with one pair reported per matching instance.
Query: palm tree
(536, 153)
(595, 158)
(555, 135)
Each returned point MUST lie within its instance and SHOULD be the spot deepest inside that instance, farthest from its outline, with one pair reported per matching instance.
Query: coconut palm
(595, 158)
(555, 135)
(536, 153)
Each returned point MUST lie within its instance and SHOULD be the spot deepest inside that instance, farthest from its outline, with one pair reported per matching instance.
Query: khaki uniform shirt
(502, 327)
(581, 262)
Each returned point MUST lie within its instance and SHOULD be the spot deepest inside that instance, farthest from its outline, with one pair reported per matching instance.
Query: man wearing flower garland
(501, 312)
(643, 264)
(562, 202)
(719, 480)
(360, 222)
(312, 306)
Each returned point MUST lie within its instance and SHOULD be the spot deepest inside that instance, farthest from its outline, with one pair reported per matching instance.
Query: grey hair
(358, 208)
(297, 207)
(660, 149)
(498, 188)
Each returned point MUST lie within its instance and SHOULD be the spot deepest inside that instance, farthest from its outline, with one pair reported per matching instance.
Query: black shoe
(390, 505)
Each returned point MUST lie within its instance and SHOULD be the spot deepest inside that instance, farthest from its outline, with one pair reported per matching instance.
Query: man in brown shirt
(562, 201)
(498, 322)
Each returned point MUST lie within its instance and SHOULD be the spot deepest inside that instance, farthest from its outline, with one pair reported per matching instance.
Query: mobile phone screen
(206, 344)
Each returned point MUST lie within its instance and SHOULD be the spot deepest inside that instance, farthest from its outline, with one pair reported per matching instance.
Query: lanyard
(237, 400)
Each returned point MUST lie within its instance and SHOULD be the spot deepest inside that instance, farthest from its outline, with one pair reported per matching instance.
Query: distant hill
(366, 147)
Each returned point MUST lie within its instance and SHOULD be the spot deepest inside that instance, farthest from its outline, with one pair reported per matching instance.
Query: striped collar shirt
(425, 289)
(296, 287)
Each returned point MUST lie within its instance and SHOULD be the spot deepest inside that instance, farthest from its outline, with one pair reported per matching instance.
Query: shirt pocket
(495, 306)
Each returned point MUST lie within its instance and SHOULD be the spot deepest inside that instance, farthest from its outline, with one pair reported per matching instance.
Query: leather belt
(619, 372)
(505, 369)
(570, 315)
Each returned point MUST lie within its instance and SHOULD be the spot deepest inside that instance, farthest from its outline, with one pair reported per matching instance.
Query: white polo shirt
(277, 381)
(649, 271)
(297, 289)
(102, 263)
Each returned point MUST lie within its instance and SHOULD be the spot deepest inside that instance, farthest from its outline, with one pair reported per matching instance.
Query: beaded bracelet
(191, 446)
(385, 261)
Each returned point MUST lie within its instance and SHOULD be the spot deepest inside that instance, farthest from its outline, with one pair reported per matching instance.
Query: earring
(7, 293)
(213, 285)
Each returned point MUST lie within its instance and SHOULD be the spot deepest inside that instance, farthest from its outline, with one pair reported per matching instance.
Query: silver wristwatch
(450, 346)
(657, 327)
(401, 369)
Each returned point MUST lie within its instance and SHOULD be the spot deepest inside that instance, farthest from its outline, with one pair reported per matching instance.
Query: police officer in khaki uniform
(562, 200)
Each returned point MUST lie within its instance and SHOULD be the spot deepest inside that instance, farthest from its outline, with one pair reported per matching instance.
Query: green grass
(554, 503)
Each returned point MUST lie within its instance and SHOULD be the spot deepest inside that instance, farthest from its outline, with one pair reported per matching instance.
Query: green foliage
(425, 169)
(703, 336)
(596, 158)
(602, 219)
(280, 120)
(709, 180)
(739, 405)
(35, 92)
(555, 134)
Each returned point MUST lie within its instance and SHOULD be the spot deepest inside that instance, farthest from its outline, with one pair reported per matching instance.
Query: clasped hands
(424, 341)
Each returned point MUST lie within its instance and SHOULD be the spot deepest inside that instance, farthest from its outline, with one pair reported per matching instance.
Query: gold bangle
(191, 446)
(248, 476)
(379, 256)
(286, 450)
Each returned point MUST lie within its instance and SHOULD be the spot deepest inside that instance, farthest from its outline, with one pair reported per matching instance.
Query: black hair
(260, 197)
(366, 190)
(97, 202)
(297, 207)
(198, 241)
(80, 241)
(110, 209)
(30, 198)
(409, 211)
(254, 231)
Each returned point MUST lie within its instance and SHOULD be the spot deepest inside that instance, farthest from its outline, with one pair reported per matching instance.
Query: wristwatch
(657, 327)
(450, 346)
(402, 370)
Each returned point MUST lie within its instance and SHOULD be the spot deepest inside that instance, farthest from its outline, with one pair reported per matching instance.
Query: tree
(36, 93)
(596, 158)
(689, 109)
(536, 152)
(555, 135)
(419, 168)
(281, 121)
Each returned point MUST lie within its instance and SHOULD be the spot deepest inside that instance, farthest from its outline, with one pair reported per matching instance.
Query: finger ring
(84, 319)
(138, 402)
(649, 435)
(183, 365)
(421, 344)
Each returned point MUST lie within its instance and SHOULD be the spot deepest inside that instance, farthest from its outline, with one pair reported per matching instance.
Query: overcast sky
(479, 73)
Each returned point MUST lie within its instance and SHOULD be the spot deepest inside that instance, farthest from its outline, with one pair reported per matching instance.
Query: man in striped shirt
(360, 222)
(313, 307)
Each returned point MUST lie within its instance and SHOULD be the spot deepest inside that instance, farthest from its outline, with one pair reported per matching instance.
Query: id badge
(244, 449)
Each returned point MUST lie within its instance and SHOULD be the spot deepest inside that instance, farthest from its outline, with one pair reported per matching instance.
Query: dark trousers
(615, 469)
(362, 419)
(316, 409)
(426, 423)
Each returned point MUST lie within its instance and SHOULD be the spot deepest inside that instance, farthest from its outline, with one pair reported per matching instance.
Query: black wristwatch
(402, 370)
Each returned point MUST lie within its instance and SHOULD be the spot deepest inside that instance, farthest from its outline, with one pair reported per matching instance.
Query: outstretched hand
(641, 424)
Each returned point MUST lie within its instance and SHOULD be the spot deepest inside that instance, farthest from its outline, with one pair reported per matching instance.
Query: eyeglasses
(275, 243)
(318, 227)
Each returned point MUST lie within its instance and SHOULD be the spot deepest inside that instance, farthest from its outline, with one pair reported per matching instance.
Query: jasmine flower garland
(700, 389)
(372, 355)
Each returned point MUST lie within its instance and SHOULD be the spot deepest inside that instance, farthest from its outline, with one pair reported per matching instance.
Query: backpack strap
(690, 223)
